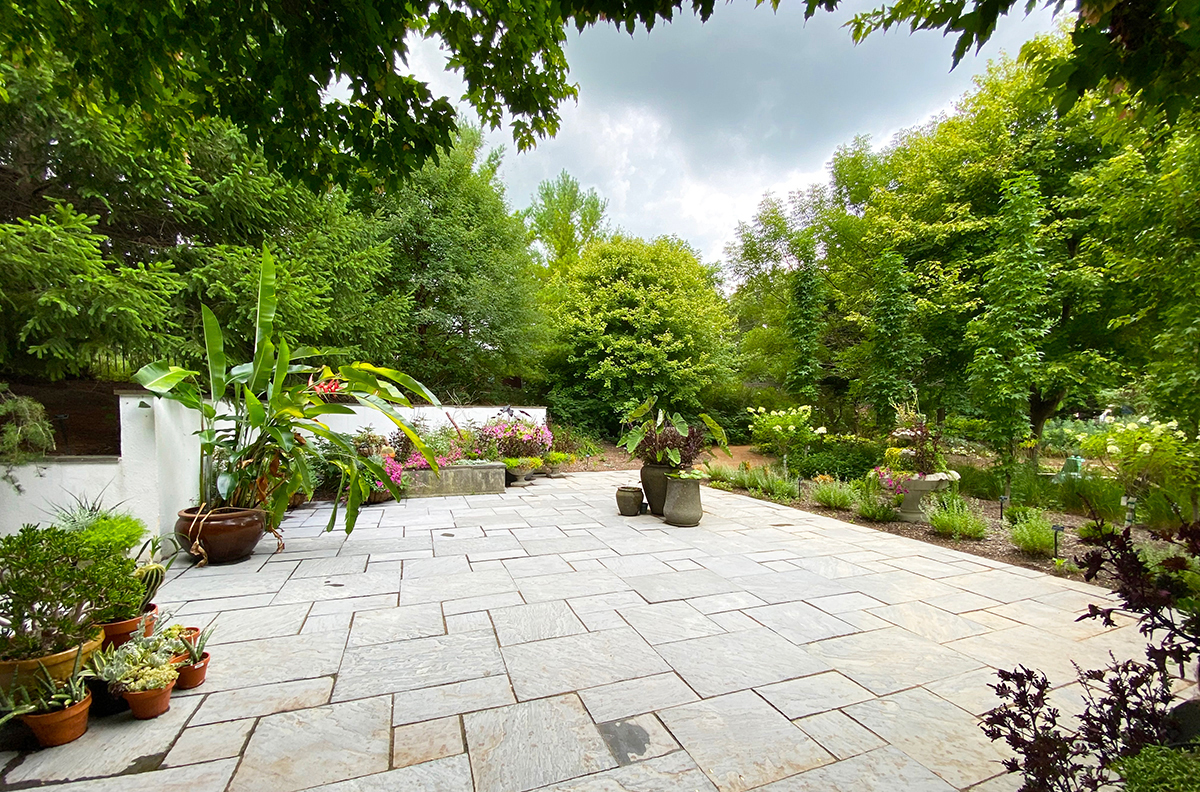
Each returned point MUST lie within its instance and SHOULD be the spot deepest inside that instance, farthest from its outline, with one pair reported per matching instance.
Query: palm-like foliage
(257, 417)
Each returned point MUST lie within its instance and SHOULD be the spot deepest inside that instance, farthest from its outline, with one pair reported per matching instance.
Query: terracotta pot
(226, 534)
(682, 504)
(104, 701)
(191, 676)
(378, 496)
(654, 483)
(118, 632)
(59, 665)
(629, 501)
(61, 726)
(147, 704)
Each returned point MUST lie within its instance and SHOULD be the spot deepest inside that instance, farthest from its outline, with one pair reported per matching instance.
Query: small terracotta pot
(117, 633)
(147, 704)
(61, 726)
(191, 676)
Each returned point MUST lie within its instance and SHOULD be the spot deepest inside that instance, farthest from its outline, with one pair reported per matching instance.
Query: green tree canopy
(564, 219)
(634, 319)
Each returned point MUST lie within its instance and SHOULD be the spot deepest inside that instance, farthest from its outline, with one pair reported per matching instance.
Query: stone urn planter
(226, 534)
(911, 509)
(629, 501)
(515, 477)
(654, 484)
(682, 504)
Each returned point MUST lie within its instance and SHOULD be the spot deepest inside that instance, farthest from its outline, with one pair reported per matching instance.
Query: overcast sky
(684, 129)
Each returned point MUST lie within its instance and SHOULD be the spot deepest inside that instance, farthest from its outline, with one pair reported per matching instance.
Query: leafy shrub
(1157, 768)
(517, 437)
(1016, 514)
(25, 434)
(951, 515)
(1095, 531)
(118, 533)
(572, 440)
(1094, 496)
(654, 447)
(833, 494)
(845, 457)
(972, 430)
(1063, 436)
(874, 500)
(49, 577)
(1033, 535)
(559, 458)
(783, 432)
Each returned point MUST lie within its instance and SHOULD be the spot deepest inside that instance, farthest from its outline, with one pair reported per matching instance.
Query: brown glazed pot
(226, 534)
(147, 704)
(59, 665)
(118, 632)
(191, 676)
(61, 726)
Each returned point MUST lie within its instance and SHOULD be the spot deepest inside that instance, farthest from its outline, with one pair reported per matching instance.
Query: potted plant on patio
(51, 580)
(554, 461)
(141, 672)
(915, 459)
(55, 710)
(193, 668)
(256, 422)
(629, 501)
(517, 468)
(666, 443)
(682, 507)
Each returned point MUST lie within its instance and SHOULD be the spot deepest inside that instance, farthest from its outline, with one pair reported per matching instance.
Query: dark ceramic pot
(629, 501)
(682, 506)
(654, 483)
(226, 534)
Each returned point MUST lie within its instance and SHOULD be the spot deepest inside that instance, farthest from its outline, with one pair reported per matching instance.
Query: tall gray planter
(654, 484)
(911, 508)
(682, 506)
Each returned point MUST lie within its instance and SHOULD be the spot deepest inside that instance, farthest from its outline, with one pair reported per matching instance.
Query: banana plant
(257, 417)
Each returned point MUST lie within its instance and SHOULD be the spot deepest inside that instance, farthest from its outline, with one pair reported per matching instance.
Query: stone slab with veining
(734, 661)
(741, 742)
(635, 696)
(262, 700)
(910, 659)
(417, 663)
(304, 748)
(536, 622)
(205, 743)
(396, 624)
(558, 665)
(426, 741)
(528, 745)
(456, 698)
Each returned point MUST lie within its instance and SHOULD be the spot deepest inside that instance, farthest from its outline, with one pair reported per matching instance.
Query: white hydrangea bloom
(1145, 448)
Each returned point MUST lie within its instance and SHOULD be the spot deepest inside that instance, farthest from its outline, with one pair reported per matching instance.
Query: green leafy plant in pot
(257, 420)
(55, 710)
(666, 443)
(54, 582)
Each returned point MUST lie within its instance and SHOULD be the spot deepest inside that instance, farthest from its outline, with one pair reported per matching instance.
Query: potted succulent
(141, 672)
(681, 507)
(56, 710)
(629, 501)
(194, 667)
(517, 468)
(256, 422)
(52, 580)
(666, 443)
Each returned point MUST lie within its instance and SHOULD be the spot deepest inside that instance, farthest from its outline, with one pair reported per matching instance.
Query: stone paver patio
(538, 640)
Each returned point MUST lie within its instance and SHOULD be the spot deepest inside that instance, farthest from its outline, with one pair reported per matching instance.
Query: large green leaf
(368, 400)
(264, 322)
(403, 379)
(160, 377)
(214, 347)
(256, 413)
(281, 372)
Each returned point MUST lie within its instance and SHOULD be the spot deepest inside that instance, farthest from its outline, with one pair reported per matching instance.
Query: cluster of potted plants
(257, 423)
(668, 447)
(145, 669)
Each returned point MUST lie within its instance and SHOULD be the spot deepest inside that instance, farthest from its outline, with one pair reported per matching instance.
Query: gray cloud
(683, 129)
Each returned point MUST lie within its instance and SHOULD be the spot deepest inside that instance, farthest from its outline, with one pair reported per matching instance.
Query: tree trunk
(1041, 408)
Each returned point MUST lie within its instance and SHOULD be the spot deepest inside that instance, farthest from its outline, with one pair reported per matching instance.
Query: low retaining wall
(457, 480)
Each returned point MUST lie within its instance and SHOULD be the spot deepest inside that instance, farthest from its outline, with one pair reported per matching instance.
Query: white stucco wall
(156, 474)
(154, 477)
(433, 417)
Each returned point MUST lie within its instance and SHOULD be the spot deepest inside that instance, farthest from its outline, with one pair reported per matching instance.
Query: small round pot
(61, 726)
(147, 704)
(654, 483)
(682, 505)
(298, 499)
(58, 665)
(629, 501)
(226, 534)
(191, 676)
(118, 632)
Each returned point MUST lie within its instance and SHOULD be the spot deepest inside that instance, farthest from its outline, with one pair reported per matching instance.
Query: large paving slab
(537, 640)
